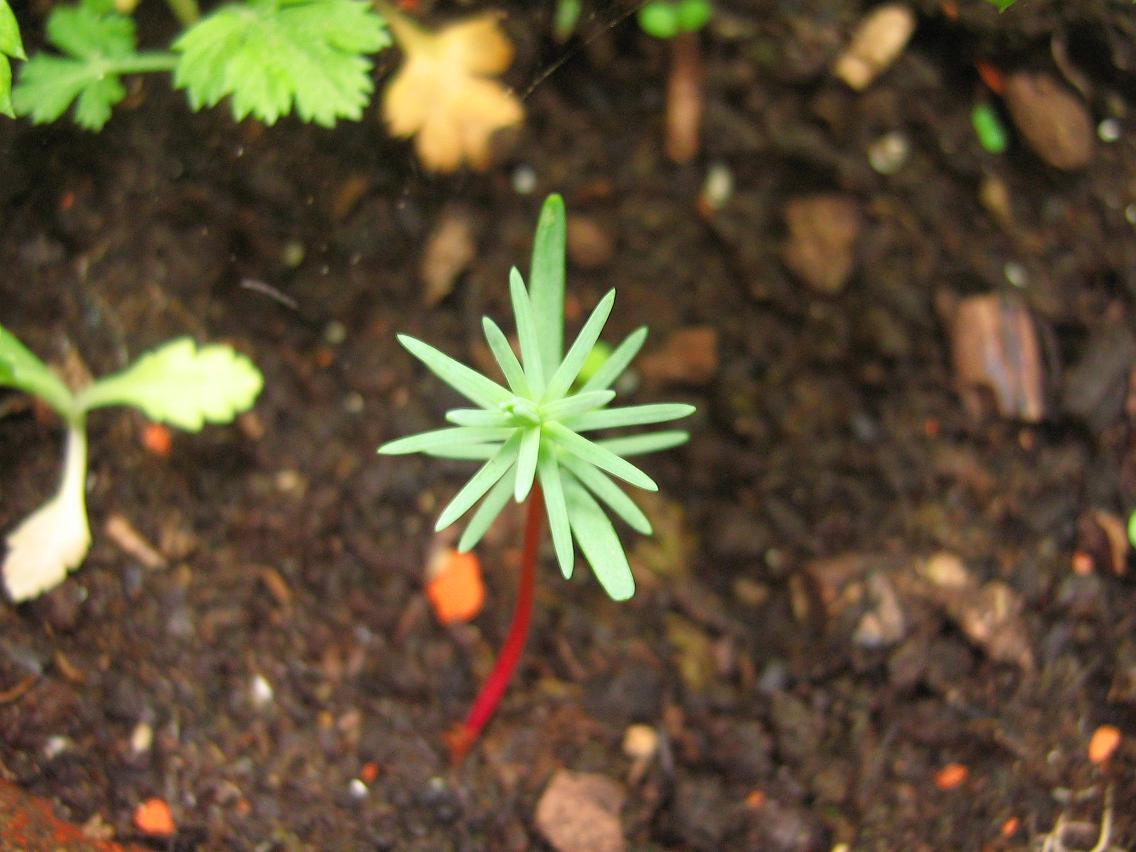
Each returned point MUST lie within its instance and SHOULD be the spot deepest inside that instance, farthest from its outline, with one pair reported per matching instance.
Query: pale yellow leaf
(445, 95)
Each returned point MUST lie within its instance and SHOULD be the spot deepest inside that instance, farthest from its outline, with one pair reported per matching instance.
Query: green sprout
(666, 19)
(531, 428)
(268, 56)
(177, 383)
(527, 433)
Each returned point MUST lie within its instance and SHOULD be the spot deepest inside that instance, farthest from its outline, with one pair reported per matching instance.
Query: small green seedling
(268, 56)
(177, 383)
(989, 129)
(668, 18)
(530, 432)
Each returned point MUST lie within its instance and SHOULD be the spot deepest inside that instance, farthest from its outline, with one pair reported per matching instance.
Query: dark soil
(808, 675)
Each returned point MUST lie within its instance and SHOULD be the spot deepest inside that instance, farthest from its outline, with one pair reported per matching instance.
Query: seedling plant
(177, 383)
(528, 434)
(678, 22)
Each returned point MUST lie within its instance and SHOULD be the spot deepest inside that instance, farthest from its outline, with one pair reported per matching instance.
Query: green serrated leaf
(275, 55)
(21, 369)
(98, 48)
(10, 45)
(10, 42)
(181, 384)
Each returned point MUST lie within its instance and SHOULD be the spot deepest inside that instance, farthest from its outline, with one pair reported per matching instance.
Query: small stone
(640, 742)
(888, 154)
(1052, 120)
(579, 812)
(822, 236)
(878, 41)
(688, 356)
(589, 244)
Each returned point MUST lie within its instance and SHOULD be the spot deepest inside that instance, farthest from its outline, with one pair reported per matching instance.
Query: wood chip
(133, 543)
(579, 812)
(997, 355)
(450, 249)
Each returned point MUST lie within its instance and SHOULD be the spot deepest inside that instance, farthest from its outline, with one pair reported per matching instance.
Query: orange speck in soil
(992, 76)
(931, 427)
(1010, 827)
(454, 586)
(755, 799)
(950, 10)
(1082, 563)
(1104, 742)
(153, 817)
(951, 776)
(324, 357)
(157, 439)
(369, 772)
(244, 807)
(66, 201)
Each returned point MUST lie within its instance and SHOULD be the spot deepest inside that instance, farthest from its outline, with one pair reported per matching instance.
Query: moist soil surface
(883, 606)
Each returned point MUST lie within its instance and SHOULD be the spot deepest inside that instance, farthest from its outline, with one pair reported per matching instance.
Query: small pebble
(141, 738)
(878, 41)
(1108, 130)
(820, 249)
(357, 789)
(524, 179)
(260, 690)
(1054, 122)
(889, 153)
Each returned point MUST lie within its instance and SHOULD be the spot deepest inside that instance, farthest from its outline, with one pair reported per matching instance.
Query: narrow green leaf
(614, 366)
(527, 333)
(546, 278)
(479, 417)
(485, 478)
(455, 438)
(599, 456)
(505, 357)
(486, 514)
(21, 369)
(469, 383)
(601, 485)
(598, 540)
(552, 487)
(181, 384)
(631, 415)
(526, 463)
(571, 406)
(570, 368)
(468, 452)
(638, 445)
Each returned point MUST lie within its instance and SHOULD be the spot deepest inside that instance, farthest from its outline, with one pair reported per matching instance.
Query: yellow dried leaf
(444, 94)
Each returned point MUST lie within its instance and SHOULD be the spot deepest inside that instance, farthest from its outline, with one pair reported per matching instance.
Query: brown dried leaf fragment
(444, 94)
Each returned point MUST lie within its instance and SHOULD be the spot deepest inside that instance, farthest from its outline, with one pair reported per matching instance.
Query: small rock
(885, 623)
(688, 356)
(579, 812)
(878, 41)
(822, 237)
(1053, 121)
(992, 620)
(1095, 387)
(589, 244)
(451, 247)
(996, 351)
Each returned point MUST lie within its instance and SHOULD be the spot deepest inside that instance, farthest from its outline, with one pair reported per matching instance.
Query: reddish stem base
(462, 736)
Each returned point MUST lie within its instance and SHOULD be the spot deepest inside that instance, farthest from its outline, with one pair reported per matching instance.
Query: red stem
(463, 736)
